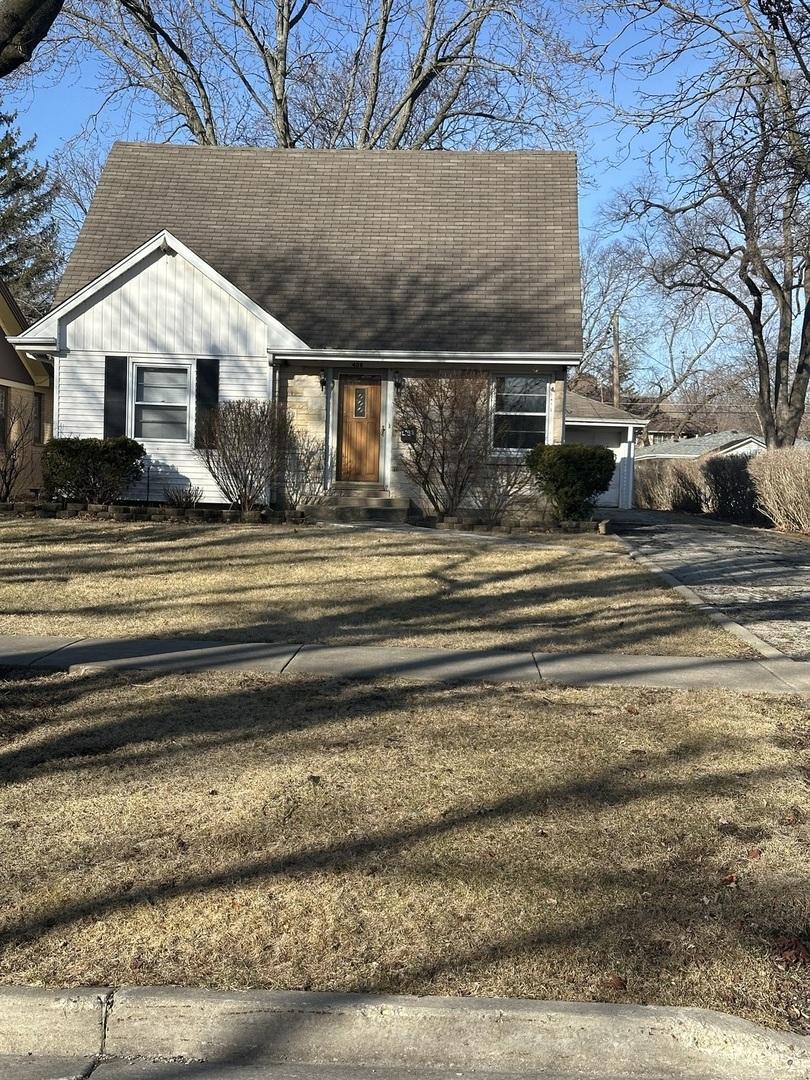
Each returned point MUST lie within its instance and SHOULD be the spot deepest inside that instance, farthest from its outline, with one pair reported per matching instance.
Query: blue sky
(55, 112)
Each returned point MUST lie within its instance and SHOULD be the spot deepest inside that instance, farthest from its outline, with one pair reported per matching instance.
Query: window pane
(38, 413)
(517, 393)
(161, 385)
(160, 422)
(518, 432)
(360, 403)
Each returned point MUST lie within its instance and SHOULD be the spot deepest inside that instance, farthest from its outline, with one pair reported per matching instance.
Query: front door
(358, 456)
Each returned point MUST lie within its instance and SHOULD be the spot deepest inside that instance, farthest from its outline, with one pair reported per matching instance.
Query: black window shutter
(207, 395)
(115, 396)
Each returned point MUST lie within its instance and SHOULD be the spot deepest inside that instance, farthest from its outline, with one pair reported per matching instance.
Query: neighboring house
(322, 279)
(26, 400)
(721, 443)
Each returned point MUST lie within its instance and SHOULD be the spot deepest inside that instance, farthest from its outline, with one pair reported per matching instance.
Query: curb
(694, 599)
(268, 1027)
(63, 1023)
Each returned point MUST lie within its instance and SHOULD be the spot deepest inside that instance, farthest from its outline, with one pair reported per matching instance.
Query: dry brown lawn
(249, 830)
(342, 587)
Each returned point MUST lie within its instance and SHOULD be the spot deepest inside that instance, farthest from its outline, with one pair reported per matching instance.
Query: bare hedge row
(770, 487)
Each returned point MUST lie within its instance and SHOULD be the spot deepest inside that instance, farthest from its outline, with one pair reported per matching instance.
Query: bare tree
(77, 168)
(23, 25)
(374, 73)
(694, 59)
(244, 447)
(16, 443)
(740, 231)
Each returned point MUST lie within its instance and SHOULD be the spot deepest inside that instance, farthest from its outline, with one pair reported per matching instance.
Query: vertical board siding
(165, 305)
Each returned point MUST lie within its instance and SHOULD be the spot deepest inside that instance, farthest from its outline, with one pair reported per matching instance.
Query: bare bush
(183, 496)
(448, 418)
(245, 445)
(782, 482)
(16, 443)
(500, 488)
(688, 490)
(671, 485)
(653, 487)
(304, 469)
(730, 492)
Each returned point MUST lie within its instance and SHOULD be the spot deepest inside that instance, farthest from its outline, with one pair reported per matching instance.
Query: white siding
(80, 391)
(80, 397)
(165, 305)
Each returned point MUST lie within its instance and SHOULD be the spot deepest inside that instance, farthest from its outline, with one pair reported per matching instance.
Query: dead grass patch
(340, 587)
(250, 830)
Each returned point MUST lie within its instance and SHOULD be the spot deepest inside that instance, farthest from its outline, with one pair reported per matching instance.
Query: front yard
(250, 830)
(342, 587)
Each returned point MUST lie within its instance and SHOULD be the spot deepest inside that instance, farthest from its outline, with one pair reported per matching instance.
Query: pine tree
(30, 252)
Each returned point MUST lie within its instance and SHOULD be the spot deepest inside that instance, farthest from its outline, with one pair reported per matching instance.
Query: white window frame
(161, 362)
(516, 451)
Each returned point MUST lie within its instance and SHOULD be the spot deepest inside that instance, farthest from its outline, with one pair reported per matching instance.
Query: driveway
(760, 579)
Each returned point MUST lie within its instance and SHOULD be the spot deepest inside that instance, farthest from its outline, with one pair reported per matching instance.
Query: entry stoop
(362, 502)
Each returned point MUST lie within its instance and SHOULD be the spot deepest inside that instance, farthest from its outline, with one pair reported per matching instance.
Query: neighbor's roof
(399, 249)
(579, 407)
(698, 446)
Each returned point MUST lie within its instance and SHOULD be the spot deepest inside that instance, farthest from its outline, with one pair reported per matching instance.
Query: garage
(595, 423)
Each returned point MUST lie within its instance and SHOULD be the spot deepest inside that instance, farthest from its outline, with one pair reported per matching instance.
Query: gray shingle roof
(579, 407)
(361, 249)
(697, 446)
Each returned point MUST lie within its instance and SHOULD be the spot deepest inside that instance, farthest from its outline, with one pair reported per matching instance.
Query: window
(39, 418)
(3, 415)
(161, 403)
(520, 412)
(360, 403)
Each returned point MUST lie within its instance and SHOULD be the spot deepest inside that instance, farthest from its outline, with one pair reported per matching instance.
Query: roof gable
(422, 250)
(49, 332)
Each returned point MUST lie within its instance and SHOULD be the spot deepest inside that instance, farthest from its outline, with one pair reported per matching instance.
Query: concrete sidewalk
(775, 676)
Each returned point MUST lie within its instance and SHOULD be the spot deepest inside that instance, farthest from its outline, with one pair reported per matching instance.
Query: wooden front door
(358, 456)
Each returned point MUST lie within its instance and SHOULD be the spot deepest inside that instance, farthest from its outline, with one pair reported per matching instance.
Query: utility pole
(617, 374)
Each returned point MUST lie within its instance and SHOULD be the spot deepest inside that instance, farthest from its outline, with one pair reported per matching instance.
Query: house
(721, 443)
(322, 279)
(26, 405)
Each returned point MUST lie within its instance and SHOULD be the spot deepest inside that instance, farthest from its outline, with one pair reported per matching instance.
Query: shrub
(782, 483)
(730, 488)
(244, 447)
(304, 469)
(687, 488)
(571, 476)
(501, 487)
(91, 470)
(448, 420)
(182, 496)
(653, 484)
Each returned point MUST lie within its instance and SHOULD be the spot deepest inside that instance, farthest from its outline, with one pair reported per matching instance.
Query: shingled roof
(361, 249)
(579, 407)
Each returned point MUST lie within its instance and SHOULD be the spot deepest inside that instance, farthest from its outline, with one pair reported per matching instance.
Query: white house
(322, 279)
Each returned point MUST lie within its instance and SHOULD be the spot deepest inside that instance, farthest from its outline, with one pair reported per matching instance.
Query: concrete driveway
(758, 578)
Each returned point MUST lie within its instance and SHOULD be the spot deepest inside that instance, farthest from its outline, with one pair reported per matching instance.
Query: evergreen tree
(30, 253)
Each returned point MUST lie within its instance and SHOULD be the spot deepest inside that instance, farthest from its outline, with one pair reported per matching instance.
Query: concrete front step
(340, 499)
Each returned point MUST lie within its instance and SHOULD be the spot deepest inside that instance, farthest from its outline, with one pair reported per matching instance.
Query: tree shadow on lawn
(675, 888)
(531, 606)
